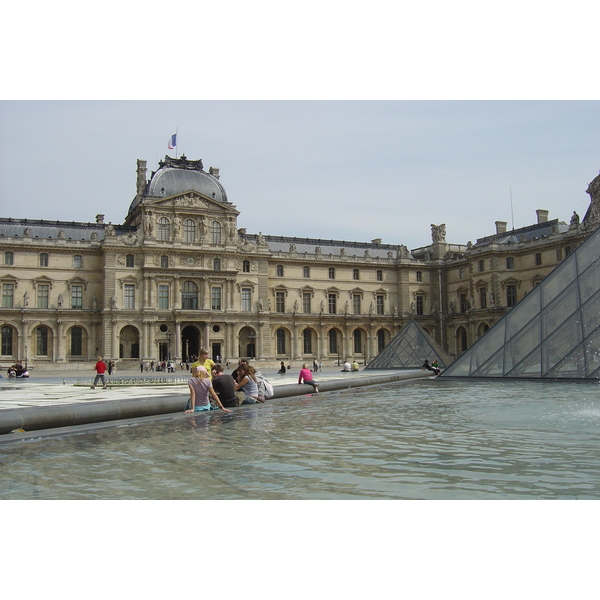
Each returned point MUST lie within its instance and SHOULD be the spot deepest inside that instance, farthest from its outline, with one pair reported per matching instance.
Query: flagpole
(176, 140)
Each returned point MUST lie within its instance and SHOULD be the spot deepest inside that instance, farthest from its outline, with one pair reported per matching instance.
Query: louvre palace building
(180, 274)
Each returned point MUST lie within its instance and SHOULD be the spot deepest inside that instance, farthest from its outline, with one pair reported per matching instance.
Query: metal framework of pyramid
(552, 333)
(409, 349)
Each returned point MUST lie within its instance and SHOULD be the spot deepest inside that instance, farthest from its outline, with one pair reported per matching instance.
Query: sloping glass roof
(553, 333)
(409, 349)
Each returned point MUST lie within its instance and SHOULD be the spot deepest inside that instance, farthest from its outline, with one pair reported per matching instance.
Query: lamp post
(169, 338)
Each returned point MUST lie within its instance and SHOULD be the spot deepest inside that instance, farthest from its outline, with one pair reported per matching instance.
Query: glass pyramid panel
(587, 254)
(592, 352)
(559, 279)
(554, 332)
(560, 343)
(589, 314)
(409, 349)
(570, 366)
(530, 366)
(522, 344)
(494, 367)
(560, 309)
(517, 319)
(589, 282)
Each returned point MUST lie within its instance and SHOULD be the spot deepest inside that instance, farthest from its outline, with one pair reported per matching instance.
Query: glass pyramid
(409, 349)
(552, 333)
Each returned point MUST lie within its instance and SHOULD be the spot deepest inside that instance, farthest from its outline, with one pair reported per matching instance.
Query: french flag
(173, 141)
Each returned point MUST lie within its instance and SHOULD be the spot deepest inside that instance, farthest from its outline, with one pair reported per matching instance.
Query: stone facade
(179, 275)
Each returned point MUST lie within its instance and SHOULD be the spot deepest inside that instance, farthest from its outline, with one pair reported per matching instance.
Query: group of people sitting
(17, 370)
(211, 388)
(434, 366)
(209, 385)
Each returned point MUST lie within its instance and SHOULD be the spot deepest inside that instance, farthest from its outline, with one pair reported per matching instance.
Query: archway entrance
(190, 342)
(129, 342)
(247, 343)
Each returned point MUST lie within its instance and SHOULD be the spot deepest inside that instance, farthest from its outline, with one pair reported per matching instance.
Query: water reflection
(424, 439)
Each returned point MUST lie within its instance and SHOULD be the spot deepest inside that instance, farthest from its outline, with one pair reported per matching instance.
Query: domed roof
(176, 176)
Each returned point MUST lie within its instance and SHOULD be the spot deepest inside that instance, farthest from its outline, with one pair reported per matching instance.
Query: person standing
(204, 361)
(306, 377)
(224, 386)
(100, 371)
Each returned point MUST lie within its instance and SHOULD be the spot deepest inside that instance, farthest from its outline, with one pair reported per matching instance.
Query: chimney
(99, 219)
(141, 177)
(542, 215)
(214, 171)
(500, 226)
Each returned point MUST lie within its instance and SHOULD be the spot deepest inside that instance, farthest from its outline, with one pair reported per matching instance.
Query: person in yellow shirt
(203, 361)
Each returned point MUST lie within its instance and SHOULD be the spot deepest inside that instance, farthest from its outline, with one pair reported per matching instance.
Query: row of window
(511, 298)
(332, 303)
(43, 295)
(41, 340)
(190, 231)
(331, 273)
(334, 338)
(43, 260)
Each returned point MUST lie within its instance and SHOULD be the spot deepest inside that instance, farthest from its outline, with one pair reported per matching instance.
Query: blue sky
(353, 170)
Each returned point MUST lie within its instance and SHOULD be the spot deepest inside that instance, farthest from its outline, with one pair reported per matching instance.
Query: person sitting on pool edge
(201, 390)
(306, 377)
(224, 386)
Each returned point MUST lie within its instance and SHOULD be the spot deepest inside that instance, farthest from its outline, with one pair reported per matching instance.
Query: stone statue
(109, 229)
(292, 247)
(202, 228)
(295, 306)
(176, 227)
(27, 232)
(260, 239)
(60, 300)
(94, 236)
(574, 221)
(346, 308)
(259, 305)
(371, 309)
(322, 306)
(232, 229)
(438, 232)
(113, 301)
(25, 299)
(148, 225)
(61, 234)
(395, 310)
(342, 251)
(94, 303)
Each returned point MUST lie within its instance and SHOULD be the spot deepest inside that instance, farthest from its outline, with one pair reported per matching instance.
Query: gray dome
(178, 175)
(168, 182)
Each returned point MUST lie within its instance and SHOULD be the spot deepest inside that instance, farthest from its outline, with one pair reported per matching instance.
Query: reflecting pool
(424, 439)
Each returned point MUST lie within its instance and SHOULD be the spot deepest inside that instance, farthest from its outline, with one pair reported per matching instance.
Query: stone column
(178, 355)
(60, 342)
(114, 351)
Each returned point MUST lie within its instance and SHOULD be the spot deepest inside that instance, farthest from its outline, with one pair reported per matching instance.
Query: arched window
(43, 259)
(215, 232)
(189, 296)
(216, 264)
(461, 339)
(41, 348)
(78, 261)
(8, 258)
(164, 229)
(307, 338)
(189, 231)
(333, 341)
(7, 340)
(380, 340)
(358, 347)
(246, 266)
(280, 336)
(76, 341)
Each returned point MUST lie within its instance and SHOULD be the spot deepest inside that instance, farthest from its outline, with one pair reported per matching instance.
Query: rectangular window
(8, 295)
(306, 271)
(279, 302)
(511, 295)
(246, 299)
(379, 300)
(42, 341)
(379, 275)
(215, 298)
(356, 304)
(7, 341)
(464, 303)
(559, 254)
(538, 259)
(43, 292)
(331, 302)
(76, 341)
(77, 296)
(8, 258)
(163, 297)
(355, 274)
(419, 305)
(510, 262)
(331, 273)
(306, 302)
(43, 259)
(78, 262)
(482, 298)
(481, 266)
(129, 296)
